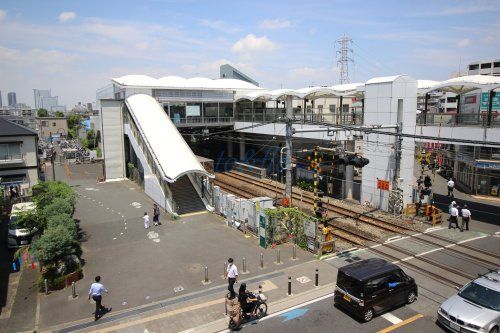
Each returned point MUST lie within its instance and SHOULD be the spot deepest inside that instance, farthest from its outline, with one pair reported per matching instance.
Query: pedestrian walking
(451, 186)
(466, 216)
(232, 277)
(96, 290)
(146, 220)
(453, 215)
(156, 214)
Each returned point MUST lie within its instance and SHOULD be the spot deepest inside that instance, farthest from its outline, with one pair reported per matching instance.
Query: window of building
(451, 100)
(9, 151)
(496, 64)
(45, 123)
(486, 65)
(473, 67)
(54, 124)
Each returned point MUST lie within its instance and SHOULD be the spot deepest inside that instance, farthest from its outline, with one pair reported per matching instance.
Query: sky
(76, 47)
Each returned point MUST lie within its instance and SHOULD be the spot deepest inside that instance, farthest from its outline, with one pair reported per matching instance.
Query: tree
(53, 245)
(42, 113)
(63, 220)
(59, 206)
(30, 220)
(45, 192)
(90, 143)
(74, 120)
(59, 114)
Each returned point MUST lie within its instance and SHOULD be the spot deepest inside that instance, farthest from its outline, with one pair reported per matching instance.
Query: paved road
(322, 316)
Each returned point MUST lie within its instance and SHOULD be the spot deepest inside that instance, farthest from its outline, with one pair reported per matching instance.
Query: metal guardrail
(460, 119)
(202, 120)
(330, 118)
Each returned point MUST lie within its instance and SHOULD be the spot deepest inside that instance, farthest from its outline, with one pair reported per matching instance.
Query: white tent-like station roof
(170, 151)
(176, 82)
(465, 84)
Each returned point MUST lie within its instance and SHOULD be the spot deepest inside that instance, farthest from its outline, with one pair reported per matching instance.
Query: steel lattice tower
(344, 57)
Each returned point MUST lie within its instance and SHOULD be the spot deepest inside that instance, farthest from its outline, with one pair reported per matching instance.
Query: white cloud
(67, 16)
(274, 24)
(219, 26)
(463, 42)
(252, 43)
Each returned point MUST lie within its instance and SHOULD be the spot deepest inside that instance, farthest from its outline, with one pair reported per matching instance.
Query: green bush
(45, 192)
(54, 244)
(56, 282)
(57, 207)
(63, 220)
(98, 152)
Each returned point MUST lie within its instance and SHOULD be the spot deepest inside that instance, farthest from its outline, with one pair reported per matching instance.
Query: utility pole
(344, 57)
(288, 161)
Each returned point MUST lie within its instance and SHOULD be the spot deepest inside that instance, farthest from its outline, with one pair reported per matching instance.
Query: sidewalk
(204, 311)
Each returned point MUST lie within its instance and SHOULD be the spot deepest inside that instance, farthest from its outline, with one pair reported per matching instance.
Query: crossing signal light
(359, 161)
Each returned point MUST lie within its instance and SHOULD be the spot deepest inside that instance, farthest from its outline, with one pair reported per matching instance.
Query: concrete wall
(112, 139)
(381, 108)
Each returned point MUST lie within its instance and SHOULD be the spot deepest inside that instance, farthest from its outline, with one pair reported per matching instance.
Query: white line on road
(471, 239)
(391, 318)
(427, 252)
(433, 229)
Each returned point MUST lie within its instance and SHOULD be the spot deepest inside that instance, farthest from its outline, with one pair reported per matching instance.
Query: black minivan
(372, 286)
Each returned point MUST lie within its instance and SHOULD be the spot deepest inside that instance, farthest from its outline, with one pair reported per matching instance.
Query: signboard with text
(383, 184)
(484, 102)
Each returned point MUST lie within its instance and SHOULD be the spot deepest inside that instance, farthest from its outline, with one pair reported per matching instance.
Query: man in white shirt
(451, 185)
(232, 276)
(465, 218)
(96, 290)
(453, 216)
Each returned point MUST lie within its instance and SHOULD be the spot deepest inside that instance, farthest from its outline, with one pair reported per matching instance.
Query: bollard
(261, 260)
(289, 285)
(46, 287)
(244, 265)
(73, 289)
(316, 278)
(206, 274)
(294, 251)
(278, 257)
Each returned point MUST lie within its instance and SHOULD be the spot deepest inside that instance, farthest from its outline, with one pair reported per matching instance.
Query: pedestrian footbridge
(156, 156)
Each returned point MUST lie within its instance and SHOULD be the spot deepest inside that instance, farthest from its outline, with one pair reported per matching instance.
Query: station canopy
(169, 148)
(462, 84)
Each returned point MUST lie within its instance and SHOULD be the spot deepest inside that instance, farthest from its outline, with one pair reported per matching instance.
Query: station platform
(484, 209)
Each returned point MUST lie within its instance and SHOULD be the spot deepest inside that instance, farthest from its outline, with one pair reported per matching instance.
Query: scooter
(236, 315)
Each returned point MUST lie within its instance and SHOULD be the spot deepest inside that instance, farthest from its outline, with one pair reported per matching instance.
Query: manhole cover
(195, 268)
(303, 279)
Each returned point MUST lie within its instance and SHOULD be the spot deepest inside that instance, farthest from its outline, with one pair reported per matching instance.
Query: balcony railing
(11, 158)
(460, 119)
(200, 121)
(278, 115)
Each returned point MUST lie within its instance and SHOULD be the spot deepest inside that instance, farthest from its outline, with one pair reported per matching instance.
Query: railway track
(350, 236)
(374, 221)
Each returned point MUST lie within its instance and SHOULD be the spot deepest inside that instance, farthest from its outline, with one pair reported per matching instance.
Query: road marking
(303, 279)
(393, 240)
(404, 322)
(427, 252)
(193, 214)
(433, 229)
(471, 239)
(498, 232)
(37, 312)
(417, 234)
(144, 320)
(391, 318)
(374, 246)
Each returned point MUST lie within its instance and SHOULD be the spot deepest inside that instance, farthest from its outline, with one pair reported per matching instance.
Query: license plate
(347, 298)
(455, 326)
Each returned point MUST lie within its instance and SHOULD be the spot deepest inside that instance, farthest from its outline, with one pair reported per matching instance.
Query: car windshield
(350, 285)
(12, 223)
(481, 295)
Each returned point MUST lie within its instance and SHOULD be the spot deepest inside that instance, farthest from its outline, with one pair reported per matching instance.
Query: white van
(18, 236)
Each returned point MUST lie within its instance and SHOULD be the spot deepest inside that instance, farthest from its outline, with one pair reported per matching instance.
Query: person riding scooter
(247, 299)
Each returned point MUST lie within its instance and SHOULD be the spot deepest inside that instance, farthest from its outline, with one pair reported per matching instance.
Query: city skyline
(276, 44)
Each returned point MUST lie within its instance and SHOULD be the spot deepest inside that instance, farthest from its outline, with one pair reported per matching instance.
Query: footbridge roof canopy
(169, 149)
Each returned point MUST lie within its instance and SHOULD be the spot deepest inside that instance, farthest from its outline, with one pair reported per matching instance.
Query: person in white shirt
(96, 290)
(465, 218)
(451, 186)
(453, 216)
(146, 220)
(232, 277)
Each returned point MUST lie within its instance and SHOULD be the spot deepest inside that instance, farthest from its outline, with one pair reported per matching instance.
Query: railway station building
(157, 127)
